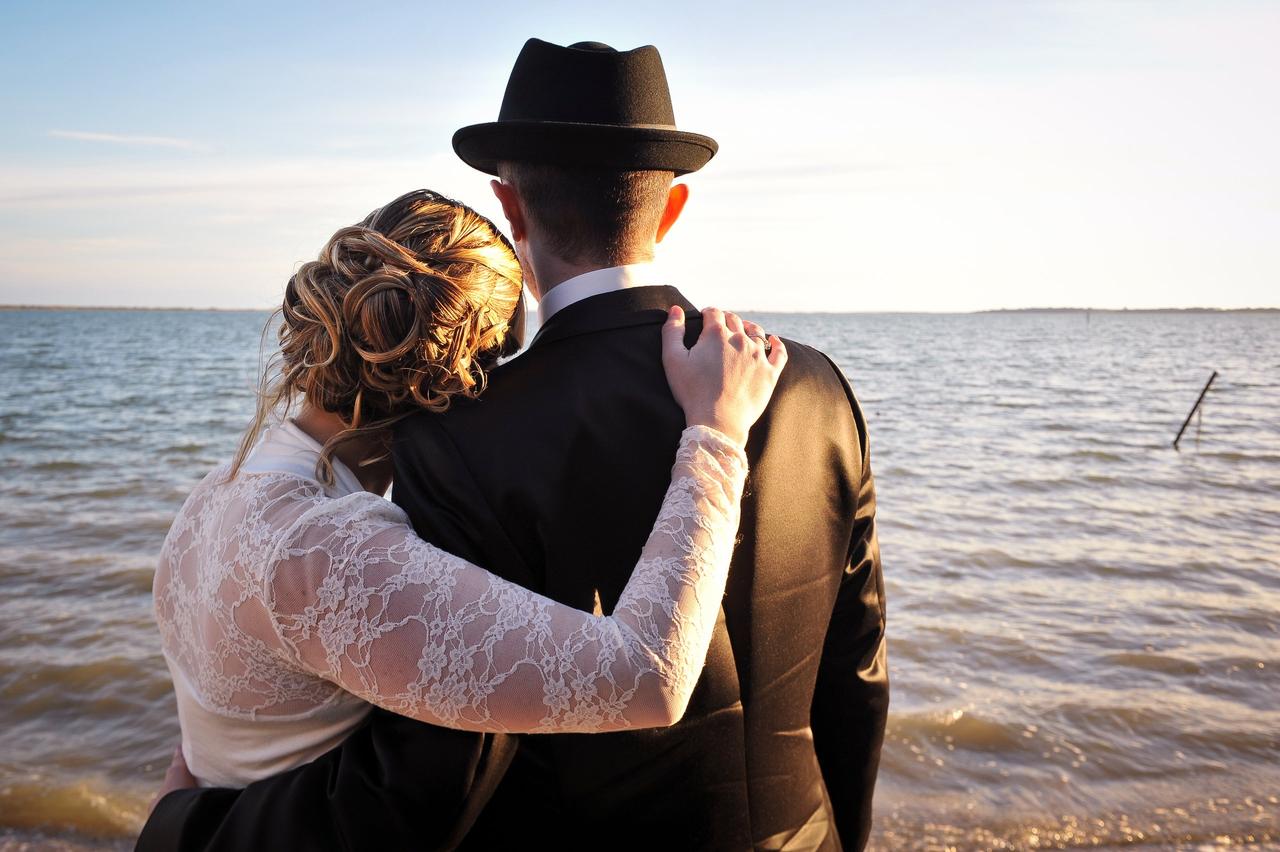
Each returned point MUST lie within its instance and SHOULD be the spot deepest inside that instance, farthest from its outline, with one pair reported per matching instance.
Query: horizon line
(1028, 310)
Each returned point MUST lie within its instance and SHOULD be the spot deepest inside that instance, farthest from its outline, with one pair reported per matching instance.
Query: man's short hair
(590, 215)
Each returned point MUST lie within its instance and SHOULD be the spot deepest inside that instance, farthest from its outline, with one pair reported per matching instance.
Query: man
(553, 479)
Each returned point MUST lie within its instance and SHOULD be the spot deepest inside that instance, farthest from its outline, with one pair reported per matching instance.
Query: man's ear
(511, 208)
(676, 198)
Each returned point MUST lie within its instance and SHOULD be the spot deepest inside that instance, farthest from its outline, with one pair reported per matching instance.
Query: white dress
(287, 609)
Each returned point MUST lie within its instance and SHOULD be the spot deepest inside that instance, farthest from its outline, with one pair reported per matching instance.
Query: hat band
(636, 126)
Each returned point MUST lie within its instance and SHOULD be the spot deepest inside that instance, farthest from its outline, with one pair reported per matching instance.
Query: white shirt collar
(285, 448)
(594, 283)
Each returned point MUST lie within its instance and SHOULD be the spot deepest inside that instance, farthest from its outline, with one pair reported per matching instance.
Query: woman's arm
(358, 599)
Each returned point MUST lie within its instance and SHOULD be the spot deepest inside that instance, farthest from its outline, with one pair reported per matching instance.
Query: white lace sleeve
(358, 599)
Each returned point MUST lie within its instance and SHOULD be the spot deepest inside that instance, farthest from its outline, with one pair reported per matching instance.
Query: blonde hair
(401, 312)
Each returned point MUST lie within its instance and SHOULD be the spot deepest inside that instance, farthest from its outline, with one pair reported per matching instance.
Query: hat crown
(588, 83)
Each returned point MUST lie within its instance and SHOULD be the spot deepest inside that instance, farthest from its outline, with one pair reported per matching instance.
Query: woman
(291, 596)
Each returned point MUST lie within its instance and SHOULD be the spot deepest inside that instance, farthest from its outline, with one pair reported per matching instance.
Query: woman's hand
(726, 380)
(176, 777)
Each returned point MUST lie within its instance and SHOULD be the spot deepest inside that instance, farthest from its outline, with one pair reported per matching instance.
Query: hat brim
(611, 146)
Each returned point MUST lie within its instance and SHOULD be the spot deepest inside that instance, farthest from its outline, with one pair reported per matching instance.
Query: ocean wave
(1076, 613)
(58, 465)
(187, 448)
(93, 806)
(1153, 663)
(961, 728)
(1195, 819)
(32, 688)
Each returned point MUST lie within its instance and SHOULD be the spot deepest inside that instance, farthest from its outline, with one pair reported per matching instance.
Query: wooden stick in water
(1192, 412)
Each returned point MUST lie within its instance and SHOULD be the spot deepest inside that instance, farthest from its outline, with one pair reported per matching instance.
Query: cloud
(830, 169)
(296, 187)
(121, 139)
(28, 247)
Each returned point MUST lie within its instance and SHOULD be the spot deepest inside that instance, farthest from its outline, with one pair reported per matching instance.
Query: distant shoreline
(130, 308)
(1198, 310)
(1128, 311)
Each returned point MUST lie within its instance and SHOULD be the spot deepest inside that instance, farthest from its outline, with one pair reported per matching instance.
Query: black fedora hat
(589, 105)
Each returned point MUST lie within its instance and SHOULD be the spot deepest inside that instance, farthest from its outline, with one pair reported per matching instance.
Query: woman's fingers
(178, 774)
(757, 333)
(176, 777)
(733, 322)
(777, 353)
(712, 323)
(742, 332)
(737, 335)
(673, 334)
(726, 379)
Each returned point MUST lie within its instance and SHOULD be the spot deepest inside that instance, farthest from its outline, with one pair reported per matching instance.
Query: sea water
(1084, 623)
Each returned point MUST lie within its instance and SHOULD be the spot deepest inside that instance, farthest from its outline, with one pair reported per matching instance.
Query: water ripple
(1084, 623)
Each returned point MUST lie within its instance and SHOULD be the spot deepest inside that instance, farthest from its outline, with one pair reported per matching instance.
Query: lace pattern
(272, 596)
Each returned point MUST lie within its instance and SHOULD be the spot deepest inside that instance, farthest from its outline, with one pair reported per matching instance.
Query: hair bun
(383, 318)
(390, 319)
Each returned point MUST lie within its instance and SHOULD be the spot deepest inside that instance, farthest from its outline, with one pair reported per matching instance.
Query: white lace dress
(287, 609)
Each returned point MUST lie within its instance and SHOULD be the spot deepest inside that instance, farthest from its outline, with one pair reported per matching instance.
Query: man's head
(587, 217)
(587, 148)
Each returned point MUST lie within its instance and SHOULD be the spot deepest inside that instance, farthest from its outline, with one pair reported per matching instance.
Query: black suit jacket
(553, 480)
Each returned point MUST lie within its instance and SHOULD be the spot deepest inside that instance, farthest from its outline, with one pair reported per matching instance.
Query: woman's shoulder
(225, 477)
(360, 514)
(273, 485)
(243, 500)
(287, 494)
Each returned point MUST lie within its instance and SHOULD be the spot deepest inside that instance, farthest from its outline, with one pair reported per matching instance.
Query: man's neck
(594, 282)
(551, 271)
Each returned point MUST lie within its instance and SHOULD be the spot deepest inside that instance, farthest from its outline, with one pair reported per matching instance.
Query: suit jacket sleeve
(394, 783)
(851, 696)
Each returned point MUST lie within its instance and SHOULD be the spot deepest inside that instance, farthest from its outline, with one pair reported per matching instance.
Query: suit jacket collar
(596, 282)
(618, 309)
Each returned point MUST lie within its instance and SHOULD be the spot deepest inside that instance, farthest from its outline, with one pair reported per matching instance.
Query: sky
(874, 156)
